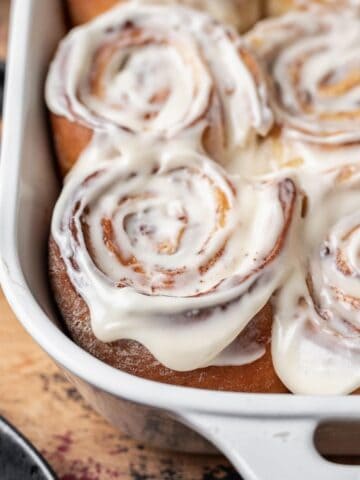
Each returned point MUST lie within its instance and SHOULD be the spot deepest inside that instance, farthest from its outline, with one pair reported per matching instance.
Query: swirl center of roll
(168, 229)
(145, 81)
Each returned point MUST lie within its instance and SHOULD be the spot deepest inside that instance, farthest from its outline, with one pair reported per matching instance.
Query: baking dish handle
(268, 448)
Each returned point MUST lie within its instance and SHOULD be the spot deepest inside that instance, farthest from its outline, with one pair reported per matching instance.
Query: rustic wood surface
(75, 440)
(4, 16)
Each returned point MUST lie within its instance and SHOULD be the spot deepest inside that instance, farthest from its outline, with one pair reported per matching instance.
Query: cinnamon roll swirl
(241, 14)
(160, 72)
(312, 58)
(164, 247)
(316, 336)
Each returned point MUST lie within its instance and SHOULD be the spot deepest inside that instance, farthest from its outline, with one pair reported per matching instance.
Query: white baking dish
(265, 436)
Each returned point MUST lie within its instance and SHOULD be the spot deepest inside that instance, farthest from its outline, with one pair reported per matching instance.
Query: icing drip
(166, 247)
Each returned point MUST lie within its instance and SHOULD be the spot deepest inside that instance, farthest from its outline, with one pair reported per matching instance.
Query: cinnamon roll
(160, 72)
(316, 334)
(241, 14)
(312, 60)
(279, 7)
(163, 247)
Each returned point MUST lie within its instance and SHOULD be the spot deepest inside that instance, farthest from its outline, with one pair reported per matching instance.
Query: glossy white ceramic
(266, 437)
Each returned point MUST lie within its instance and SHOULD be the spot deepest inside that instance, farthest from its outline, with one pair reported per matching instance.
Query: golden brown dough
(133, 358)
(242, 14)
(279, 7)
(70, 139)
(82, 11)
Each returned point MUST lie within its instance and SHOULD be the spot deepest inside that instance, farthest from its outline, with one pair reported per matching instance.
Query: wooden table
(75, 440)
